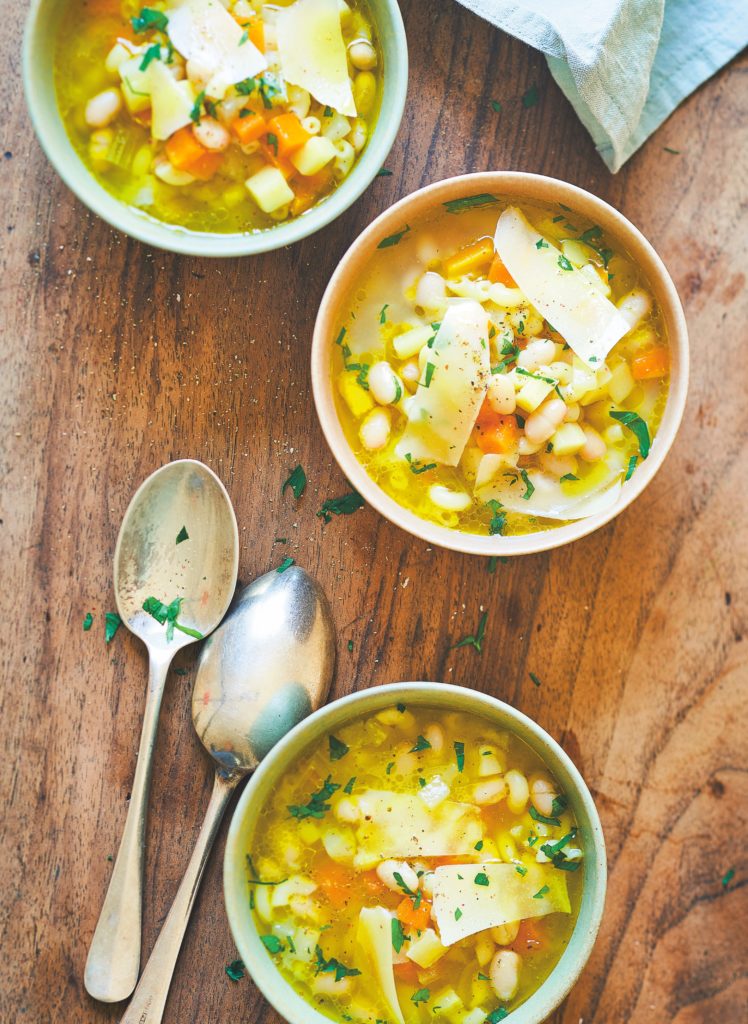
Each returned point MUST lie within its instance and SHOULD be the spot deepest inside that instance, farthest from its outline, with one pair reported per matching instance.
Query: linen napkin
(625, 65)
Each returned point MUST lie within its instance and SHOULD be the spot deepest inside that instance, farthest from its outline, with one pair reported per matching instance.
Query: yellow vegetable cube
(269, 189)
(136, 84)
(613, 434)
(532, 393)
(409, 342)
(426, 949)
(355, 397)
(568, 439)
(621, 383)
(448, 1002)
(313, 155)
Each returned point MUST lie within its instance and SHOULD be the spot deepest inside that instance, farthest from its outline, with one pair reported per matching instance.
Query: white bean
(492, 791)
(384, 384)
(170, 175)
(101, 110)
(411, 374)
(543, 790)
(386, 873)
(450, 501)
(431, 291)
(525, 448)
(558, 465)
(362, 54)
(344, 160)
(501, 395)
(330, 985)
(594, 447)
(519, 791)
(504, 973)
(375, 430)
(347, 810)
(484, 949)
(359, 134)
(505, 934)
(490, 762)
(435, 735)
(543, 422)
(560, 371)
(539, 352)
(211, 134)
(427, 884)
(635, 305)
(573, 412)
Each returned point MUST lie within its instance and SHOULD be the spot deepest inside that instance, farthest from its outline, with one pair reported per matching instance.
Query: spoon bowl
(267, 666)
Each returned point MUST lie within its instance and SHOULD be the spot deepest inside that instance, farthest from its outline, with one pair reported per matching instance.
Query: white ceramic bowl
(410, 210)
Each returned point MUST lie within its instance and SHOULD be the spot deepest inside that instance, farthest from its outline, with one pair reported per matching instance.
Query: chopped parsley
(398, 935)
(421, 996)
(235, 970)
(243, 38)
(350, 645)
(338, 749)
(149, 19)
(638, 428)
(168, 613)
(591, 234)
(197, 106)
(498, 519)
(272, 943)
(383, 173)
(520, 869)
(87, 622)
(402, 884)
(389, 768)
(401, 708)
(564, 263)
(112, 622)
(421, 744)
(429, 374)
(182, 535)
(296, 480)
(333, 966)
(631, 467)
(497, 1015)
(496, 106)
(537, 816)
(531, 97)
(348, 787)
(254, 878)
(476, 640)
(559, 805)
(493, 561)
(285, 564)
(728, 877)
(669, 149)
(383, 313)
(469, 202)
(534, 678)
(460, 756)
(458, 914)
(526, 481)
(568, 476)
(343, 506)
(416, 466)
(479, 845)
(272, 141)
(317, 804)
(391, 240)
(542, 244)
(481, 878)
(152, 53)
(482, 976)
(555, 853)
(541, 893)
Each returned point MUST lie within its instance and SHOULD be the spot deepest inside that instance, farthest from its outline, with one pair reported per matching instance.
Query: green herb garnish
(338, 749)
(272, 141)
(458, 914)
(350, 645)
(728, 877)
(421, 996)
(568, 476)
(481, 878)
(531, 97)
(398, 935)
(526, 481)
(497, 1015)
(564, 263)
(416, 466)
(343, 506)
(498, 519)
(537, 816)
(429, 374)
(296, 480)
(391, 240)
(555, 853)
(520, 869)
(496, 106)
(348, 787)
(152, 53)
(197, 106)
(383, 313)
(469, 202)
(421, 744)
(669, 149)
(317, 804)
(459, 754)
(479, 845)
(534, 678)
(476, 640)
(182, 535)
(333, 966)
(254, 878)
(383, 173)
(285, 564)
(638, 427)
(235, 970)
(402, 884)
(542, 244)
(272, 943)
(168, 614)
(149, 19)
(112, 622)
(87, 622)
(541, 893)
(493, 561)
(631, 467)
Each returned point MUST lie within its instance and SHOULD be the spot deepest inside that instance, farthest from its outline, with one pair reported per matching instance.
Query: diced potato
(434, 792)
(577, 252)
(410, 342)
(488, 762)
(583, 379)
(484, 948)
(136, 84)
(355, 397)
(336, 127)
(613, 434)
(296, 885)
(118, 54)
(475, 1016)
(269, 189)
(568, 439)
(339, 844)
(621, 383)
(309, 832)
(315, 154)
(263, 902)
(426, 949)
(480, 990)
(448, 1002)
(532, 393)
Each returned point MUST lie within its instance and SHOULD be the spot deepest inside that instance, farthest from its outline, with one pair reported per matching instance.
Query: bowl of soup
(411, 853)
(500, 363)
(213, 128)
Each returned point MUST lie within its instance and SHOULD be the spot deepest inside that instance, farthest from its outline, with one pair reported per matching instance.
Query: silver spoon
(265, 668)
(181, 497)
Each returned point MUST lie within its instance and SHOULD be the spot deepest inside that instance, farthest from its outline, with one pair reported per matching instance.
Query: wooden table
(117, 358)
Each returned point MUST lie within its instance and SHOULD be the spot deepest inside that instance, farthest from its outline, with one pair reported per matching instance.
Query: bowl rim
(279, 993)
(413, 206)
(141, 226)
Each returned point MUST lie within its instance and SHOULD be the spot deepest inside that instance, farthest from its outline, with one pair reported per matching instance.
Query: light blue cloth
(625, 65)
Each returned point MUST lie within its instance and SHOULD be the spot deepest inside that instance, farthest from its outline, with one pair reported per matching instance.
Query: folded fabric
(625, 65)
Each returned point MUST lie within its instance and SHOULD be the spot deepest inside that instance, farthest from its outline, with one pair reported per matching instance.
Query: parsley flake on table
(296, 480)
(235, 970)
(530, 97)
(112, 622)
(182, 536)
(350, 646)
(476, 640)
(338, 749)
(317, 805)
(343, 506)
(728, 877)
(286, 564)
(383, 173)
(534, 678)
(496, 106)
(87, 622)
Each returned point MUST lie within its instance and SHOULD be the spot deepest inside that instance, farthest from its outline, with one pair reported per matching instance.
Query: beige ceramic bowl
(411, 209)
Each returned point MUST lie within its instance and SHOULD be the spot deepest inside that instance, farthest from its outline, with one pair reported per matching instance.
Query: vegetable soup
(416, 865)
(501, 369)
(219, 117)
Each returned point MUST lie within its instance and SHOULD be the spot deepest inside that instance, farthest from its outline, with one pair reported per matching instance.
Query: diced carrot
(529, 937)
(655, 363)
(471, 256)
(498, 436)
(286, 168)
(289, 133)
(309, 188)
(257, 32)
(335, 881)
(498, 273)
(103, 8)
(415, 918)
(375, 887)
(187, 154)
(439, 862)
(250, 128)
(407, 972)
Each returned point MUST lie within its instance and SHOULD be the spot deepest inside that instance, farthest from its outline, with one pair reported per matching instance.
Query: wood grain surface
(117, 358)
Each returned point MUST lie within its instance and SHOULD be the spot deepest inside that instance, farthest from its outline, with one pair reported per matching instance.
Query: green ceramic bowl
(38, 76)
(281, 759)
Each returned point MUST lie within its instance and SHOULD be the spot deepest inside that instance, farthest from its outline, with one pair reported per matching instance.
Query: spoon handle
(148, 1002)
(114, 957)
